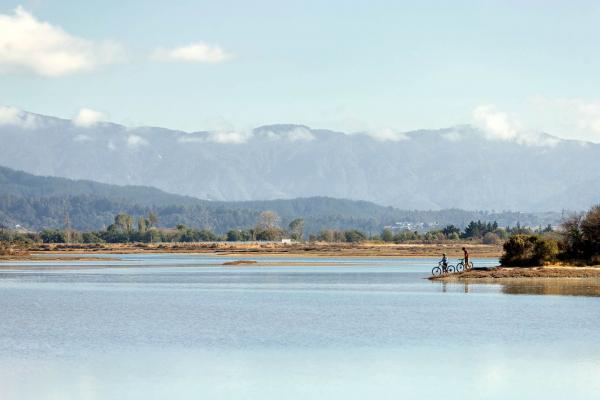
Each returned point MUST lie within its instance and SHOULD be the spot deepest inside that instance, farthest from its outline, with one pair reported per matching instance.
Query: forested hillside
(45, 202)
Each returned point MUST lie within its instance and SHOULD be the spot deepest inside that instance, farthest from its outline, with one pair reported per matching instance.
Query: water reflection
(529, 286)
(554, 287)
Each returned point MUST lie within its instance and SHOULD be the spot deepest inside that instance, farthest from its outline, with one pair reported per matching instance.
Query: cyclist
(444, 262)
(466, 255)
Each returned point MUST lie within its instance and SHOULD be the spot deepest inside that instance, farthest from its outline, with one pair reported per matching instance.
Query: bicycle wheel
(450, 269)
(436, 271)
(470, 265)
(459, 267)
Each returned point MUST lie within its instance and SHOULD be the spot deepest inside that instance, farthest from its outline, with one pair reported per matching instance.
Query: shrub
(354, 236)
(544, 250)
(53, 236)
(529, 250)
(91, 237)
(387, 235)
(491, 238)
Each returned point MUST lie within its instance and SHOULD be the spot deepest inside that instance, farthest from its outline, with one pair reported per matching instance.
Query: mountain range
(427, 170)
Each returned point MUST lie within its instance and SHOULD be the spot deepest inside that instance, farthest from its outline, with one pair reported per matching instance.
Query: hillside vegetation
(37, 203)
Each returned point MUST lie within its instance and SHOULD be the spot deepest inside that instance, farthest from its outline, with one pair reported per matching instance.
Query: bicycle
(462, 267)
(440, 269)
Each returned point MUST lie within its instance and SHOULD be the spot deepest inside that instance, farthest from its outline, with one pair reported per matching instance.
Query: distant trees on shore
(127, 229)
(578, 241)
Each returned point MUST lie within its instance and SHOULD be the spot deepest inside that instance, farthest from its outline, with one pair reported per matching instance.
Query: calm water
(181, 327)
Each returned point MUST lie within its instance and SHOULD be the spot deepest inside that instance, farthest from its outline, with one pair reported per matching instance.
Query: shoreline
(522, 273)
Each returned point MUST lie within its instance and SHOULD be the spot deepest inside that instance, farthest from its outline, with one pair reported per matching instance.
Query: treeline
(486, 232)
(578, 241)
(126, 228)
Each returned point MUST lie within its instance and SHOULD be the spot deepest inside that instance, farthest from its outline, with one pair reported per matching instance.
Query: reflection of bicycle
(442, 269)
(462, 267)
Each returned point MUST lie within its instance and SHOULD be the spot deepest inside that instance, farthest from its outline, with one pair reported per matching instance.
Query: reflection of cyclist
(444, 262)
(466, 254)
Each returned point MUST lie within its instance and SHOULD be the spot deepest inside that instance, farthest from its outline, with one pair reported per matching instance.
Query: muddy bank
(522, 273)
(453, 250)
(53, 257)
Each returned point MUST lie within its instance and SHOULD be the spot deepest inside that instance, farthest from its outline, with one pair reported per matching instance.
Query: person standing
(466, 257)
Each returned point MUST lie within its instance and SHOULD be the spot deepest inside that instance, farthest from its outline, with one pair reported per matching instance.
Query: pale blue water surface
(184, 327)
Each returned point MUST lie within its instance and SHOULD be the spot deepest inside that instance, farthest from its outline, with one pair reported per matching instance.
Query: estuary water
(185, 327)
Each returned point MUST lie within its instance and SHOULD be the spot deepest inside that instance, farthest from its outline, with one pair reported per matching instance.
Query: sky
(386, 66)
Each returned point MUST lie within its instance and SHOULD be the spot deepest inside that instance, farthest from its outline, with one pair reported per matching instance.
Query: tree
(590, 228)
(142, 224)
(123, 222)
(152, 220)
(449, 230)
(268, 226)
(354, 236)
(91, 237)
(269, 234)
(573, 241)
(234, 235)
(387, 235)
(268, 220)
(326, 235)
(53, 236)
(296, 228)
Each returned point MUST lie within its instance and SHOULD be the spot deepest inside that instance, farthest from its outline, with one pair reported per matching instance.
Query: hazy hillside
(19, 183)
(457, 167)
(39, 202)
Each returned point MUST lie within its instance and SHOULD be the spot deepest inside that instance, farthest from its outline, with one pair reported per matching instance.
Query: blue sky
(346, 65)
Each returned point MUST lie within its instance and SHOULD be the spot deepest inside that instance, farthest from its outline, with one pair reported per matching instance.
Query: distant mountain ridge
(458, 167)
(36, 202)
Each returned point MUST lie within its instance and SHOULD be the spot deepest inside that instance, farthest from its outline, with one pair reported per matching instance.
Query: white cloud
(498, 125)
(219, 136)
(571, 118)
(32, 46)
(296, 134)
(300, 134)
(386, 135)
(495, 124)
(228, 137)
(86, 118)
(17, 117)
(135, 141)
(195, 52)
